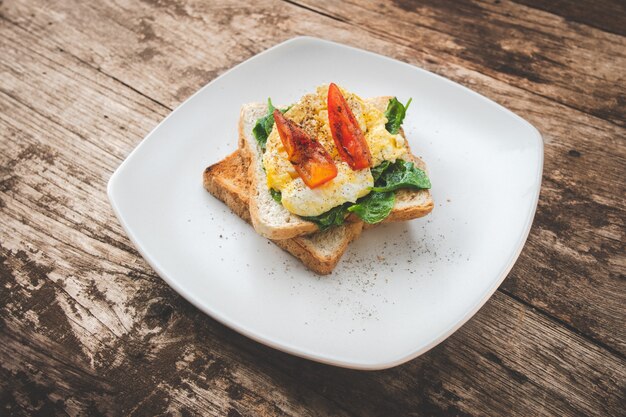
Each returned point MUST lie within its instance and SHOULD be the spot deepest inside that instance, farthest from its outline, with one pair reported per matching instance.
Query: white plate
(401, 288)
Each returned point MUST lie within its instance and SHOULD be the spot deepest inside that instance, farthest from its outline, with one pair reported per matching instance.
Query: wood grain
(531, 49)
(86, 327)
(607, 15)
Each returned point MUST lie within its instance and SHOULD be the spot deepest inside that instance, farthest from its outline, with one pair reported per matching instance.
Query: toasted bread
(227, 180)
(272, 220)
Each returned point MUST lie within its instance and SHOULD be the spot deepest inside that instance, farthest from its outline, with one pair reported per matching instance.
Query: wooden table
(87, 328)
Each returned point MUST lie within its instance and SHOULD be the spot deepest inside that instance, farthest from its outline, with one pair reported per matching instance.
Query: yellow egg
(311, 114)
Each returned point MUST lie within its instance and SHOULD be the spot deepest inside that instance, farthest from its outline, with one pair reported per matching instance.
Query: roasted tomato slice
(348, 137)
(312, 162)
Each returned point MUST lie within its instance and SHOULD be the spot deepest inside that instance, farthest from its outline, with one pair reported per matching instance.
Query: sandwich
(311, 176)
(330, 158)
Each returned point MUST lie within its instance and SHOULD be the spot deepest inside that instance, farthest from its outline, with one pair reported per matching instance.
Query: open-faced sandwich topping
(322, 165)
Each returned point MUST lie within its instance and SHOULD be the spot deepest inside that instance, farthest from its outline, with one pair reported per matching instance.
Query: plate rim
(289, 348)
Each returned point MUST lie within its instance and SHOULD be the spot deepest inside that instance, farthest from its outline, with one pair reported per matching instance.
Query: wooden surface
(87, 328)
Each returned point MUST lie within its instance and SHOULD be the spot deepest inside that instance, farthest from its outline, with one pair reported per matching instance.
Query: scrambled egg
(311, 114)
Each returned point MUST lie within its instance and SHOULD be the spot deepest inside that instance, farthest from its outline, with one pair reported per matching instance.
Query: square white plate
(401, 288)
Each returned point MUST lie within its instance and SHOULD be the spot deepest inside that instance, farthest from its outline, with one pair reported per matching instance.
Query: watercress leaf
(379, 169)
(402, 174)
(395, 114)
(374, 207)
(333, 217)
(276, 195)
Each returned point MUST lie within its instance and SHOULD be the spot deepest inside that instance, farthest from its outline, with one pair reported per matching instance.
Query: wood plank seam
(611, 29)
(319, 12)
(566, 325)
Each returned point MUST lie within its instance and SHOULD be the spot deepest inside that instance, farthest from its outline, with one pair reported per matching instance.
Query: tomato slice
(349, 139)
(312, 162)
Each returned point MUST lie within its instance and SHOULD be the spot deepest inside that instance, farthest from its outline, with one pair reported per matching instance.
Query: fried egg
(311, 114)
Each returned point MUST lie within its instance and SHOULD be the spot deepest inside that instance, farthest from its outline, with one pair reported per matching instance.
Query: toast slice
(269, 218)
(320, 252)
(274, 221)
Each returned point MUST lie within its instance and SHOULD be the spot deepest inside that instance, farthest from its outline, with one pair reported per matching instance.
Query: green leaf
(402, 174)
(378, 170)
(333, 217)
(263, 126)
(395, 114)
(276, 195)
(374, 207)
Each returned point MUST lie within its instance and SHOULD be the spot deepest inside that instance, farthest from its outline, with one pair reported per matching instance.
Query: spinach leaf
(395, 115)
(263, 126)
(402, 174)
(378, 170)
(333, 217)
(276, 195)
(374, 207)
